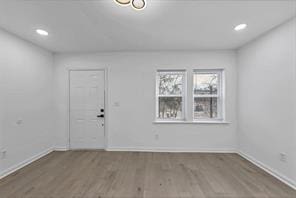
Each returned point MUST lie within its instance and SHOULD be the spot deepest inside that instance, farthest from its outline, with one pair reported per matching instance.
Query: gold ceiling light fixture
(123, 2)
(136, 4)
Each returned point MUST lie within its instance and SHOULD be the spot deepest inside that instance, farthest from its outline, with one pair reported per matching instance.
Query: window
(207, 95)
(207, 91)
(170, 92)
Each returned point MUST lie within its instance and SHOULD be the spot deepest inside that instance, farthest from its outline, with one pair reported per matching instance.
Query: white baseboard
(169, 150)
(24, 163)
(269, 170)
(61, 149)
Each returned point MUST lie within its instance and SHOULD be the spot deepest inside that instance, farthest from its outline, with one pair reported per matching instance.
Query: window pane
(205, 84)
(170, 83)
(205, 108)
(170, 108)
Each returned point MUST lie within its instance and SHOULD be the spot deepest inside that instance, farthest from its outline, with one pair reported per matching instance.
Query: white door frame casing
(106, 103)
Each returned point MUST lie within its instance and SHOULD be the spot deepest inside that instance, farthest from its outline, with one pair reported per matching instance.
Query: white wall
(132, 84)
(26, 96)
(266, 99)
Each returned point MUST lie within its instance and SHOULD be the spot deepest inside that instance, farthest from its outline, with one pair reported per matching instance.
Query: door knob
(101, 116)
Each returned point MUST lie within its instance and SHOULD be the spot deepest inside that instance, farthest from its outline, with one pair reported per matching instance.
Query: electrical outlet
(283, 157)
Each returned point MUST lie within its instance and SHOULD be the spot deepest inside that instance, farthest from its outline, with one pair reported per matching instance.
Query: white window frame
(220, 94)
(183, 95)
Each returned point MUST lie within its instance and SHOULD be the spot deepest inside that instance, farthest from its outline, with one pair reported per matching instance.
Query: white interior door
(87, 129)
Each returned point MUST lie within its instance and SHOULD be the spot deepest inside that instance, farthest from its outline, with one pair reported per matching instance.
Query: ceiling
(102, 25)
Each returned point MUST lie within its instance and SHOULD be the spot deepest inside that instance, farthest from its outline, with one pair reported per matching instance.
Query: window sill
(191, 122)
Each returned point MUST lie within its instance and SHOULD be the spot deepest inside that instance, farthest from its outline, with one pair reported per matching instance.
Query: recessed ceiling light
(123, 2)
(138, 4)
(42, 32)
(240, 27)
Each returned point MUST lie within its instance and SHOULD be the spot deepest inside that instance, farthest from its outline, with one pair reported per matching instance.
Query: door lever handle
(101, 116)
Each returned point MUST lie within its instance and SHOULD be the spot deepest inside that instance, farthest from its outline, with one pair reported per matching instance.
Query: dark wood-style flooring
(94, 174)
